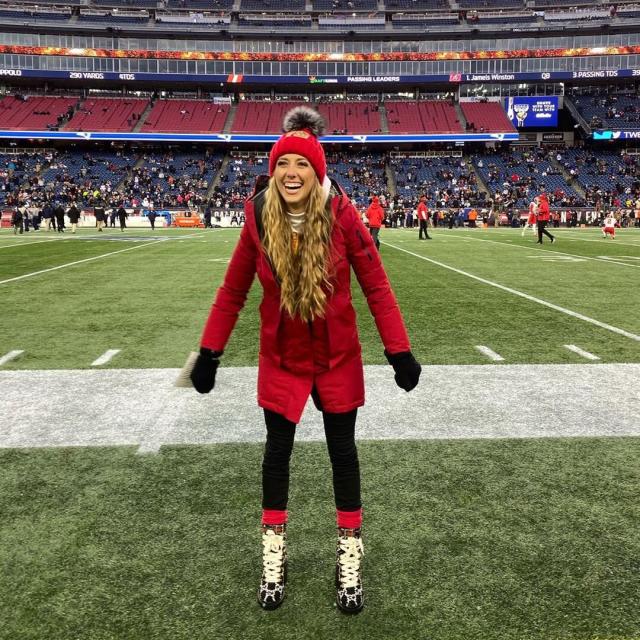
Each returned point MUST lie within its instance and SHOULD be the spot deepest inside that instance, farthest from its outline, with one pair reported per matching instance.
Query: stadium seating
(445, 181)
(518, 176)
(186, 116)
(600, 170)
(201, 5)
(259, 21)
(361, 175)
(260, 117)
(35, 14)
(486, 116)
(417, 5)
(505, 18)
(107, 114)
(491, 4)
(429, 116)
(410, 21)
(345, 5)
(272, 5)
(609, 110)
(35, 113)
(351, 117)
(15, 169)
(79, 175)
(127, 4)
(174, 178)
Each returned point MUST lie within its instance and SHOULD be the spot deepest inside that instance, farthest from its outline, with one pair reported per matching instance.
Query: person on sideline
(17, 220)
(375, 216)
(532, 218)
(59, 214)
(74, 216)
(302, 237)
(543, 216)
(423, 218)
(609, 226)
(100, 215)
(122, 216)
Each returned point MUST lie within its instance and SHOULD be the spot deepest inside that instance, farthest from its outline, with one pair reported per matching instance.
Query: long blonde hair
(305, 279)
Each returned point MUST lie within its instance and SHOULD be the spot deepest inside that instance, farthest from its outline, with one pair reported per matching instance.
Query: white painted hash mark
(105, 357)
(526, 296)
(10, 356)
(581, 352)
(496, 357)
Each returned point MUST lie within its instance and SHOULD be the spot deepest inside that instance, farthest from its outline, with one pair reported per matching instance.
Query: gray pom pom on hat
(300, 118)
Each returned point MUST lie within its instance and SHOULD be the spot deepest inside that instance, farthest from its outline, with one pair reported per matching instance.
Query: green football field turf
(464, 540)
(150, 298)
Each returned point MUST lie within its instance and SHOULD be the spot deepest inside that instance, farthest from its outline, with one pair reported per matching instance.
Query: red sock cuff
(274, 516)
(349, 519)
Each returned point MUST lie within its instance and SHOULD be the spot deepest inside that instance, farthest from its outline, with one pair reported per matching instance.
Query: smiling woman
(302, 237)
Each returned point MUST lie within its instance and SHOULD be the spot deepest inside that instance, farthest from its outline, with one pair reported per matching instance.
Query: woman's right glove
(203, 375)
(407, 369)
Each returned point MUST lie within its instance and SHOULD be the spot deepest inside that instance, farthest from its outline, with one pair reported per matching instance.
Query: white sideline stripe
(10, 356)
(105, 357)
(565, 235)
(566, 238)
(496, 357)
(27, 243)
(70, 264)
(526, 296)
(561, 253)
(581, 352)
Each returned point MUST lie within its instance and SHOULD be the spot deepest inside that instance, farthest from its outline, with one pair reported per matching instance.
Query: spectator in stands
(303, 260)
(375, 216)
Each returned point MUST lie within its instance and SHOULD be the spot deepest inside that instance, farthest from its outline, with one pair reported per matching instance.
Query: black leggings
(339, 429)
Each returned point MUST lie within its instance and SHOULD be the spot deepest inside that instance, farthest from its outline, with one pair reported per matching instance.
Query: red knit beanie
(302, 128)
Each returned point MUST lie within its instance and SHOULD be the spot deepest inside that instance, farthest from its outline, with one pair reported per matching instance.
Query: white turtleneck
(297, 220)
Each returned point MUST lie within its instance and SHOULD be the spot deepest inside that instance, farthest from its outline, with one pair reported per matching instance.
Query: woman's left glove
(203, 375)
(407, 369)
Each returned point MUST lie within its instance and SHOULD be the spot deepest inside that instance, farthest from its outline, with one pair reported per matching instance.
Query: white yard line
(10, 356)
(564, 235)
(600, 241)
(526, 296)
(105, 357)
(581, 352)
(70, 264)
(547, 251)
(492, 355)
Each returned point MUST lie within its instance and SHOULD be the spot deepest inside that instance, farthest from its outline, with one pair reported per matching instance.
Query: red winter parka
(296, 356)
(375, 213)
(543, 209)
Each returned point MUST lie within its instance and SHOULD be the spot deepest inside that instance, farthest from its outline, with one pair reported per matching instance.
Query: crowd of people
(194, 181)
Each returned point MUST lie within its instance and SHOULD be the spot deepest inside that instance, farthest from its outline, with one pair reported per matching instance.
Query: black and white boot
(274, 566)
(349, 592)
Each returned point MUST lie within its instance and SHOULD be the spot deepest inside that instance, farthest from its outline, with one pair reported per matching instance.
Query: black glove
(203, 375)
(407, 369)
